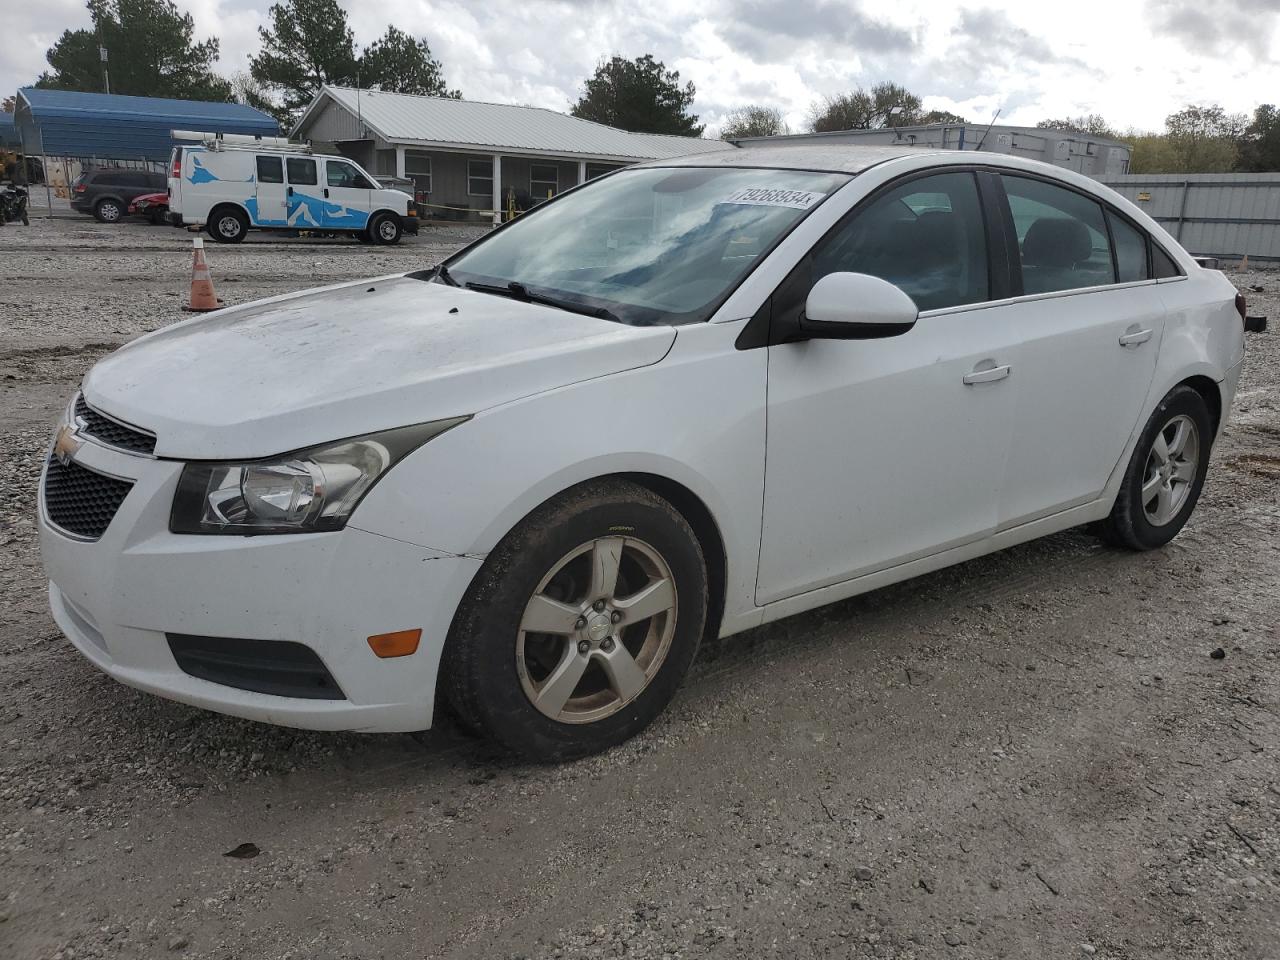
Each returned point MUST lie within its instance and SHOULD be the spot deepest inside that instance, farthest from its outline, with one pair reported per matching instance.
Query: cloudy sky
(1134, 61)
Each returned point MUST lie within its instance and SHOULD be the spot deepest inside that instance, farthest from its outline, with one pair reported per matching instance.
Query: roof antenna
(986, 131)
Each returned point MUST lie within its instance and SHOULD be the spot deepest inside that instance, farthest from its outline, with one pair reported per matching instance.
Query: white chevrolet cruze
(680, 401)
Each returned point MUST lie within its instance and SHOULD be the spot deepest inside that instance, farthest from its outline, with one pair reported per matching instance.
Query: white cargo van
(232, 184)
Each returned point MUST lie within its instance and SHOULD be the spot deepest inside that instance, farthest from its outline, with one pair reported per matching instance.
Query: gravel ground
(1030, 755)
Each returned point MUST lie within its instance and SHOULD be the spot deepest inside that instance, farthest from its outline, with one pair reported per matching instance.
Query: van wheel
(581, 624)
(108, 211)
(227, 225)
(1165, 475)
(385, 229)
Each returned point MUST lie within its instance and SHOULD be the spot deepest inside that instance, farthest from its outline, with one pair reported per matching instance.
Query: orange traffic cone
(203, 299)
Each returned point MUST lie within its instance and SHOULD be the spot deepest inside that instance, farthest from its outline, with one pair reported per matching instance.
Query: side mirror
(856, 306)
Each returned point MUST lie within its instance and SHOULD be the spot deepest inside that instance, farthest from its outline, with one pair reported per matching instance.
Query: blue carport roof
(8, 131)
(75, 124)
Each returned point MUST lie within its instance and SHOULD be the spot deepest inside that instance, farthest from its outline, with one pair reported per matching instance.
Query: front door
(1089, 347)
(346, 194)
(882, 451)
(270, 206)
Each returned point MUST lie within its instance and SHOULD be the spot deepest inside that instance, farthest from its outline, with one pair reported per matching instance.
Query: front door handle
(985, 374)
(1132, 337)
(326, 193)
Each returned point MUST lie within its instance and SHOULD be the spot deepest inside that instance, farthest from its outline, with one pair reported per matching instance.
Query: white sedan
(683, 400)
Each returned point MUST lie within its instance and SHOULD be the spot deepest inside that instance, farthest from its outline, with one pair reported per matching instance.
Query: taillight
(80, 188)
(175, 171)
(1241, 307)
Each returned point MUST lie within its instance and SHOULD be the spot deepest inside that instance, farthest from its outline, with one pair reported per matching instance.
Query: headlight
(303, 492)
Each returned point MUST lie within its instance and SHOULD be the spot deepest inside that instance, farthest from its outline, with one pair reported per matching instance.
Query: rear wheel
(227, 225)
(385, 229)
(580, 626)
(108, 211)
(1165, 474)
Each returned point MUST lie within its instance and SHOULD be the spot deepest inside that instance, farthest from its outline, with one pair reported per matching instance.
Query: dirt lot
(1032, 755)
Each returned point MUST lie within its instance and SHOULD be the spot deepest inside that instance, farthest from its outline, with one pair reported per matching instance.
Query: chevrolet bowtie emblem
(65, 444)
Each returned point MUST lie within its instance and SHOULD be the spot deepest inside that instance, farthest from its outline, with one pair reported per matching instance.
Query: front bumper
(410, 225)
(119, 597)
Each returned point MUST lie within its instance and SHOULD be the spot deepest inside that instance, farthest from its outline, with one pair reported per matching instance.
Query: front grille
(81, 501)
(282, 668)
(111, 432)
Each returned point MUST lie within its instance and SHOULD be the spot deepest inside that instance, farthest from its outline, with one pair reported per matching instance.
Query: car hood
(294, 371)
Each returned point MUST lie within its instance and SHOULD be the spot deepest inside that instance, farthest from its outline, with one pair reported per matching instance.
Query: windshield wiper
(518, 291)
(442, 272)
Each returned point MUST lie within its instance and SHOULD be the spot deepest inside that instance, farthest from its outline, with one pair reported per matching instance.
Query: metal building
(464, 157)
(8, 132)
(1092, 156)
(1225, 215)
(109, 127)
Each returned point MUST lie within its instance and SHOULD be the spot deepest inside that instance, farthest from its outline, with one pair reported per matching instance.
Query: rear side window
(926, 237)
(1062, 237)
(1162, 265)
(270, 170)
(1131, 250)
(302, 172)
(108, 179)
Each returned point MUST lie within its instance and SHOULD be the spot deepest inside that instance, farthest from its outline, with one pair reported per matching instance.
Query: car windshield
(646, 246)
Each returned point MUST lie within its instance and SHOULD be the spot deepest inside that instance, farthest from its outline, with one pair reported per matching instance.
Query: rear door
(269, 206)
(302, 193)
(347, 194)
(1090, 337)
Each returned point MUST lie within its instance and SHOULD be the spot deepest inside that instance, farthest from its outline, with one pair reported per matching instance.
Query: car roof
(841, 158)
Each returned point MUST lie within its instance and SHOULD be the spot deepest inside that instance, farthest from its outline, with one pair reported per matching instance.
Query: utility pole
(106, 80)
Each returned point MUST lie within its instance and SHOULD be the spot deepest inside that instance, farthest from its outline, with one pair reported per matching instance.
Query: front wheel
(385, 229)
(580, 626)
(1165, 474)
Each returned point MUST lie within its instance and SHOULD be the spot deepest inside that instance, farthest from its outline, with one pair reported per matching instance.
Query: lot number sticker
(765, 197)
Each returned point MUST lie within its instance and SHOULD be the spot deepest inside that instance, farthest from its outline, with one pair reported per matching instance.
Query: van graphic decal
(309, 212)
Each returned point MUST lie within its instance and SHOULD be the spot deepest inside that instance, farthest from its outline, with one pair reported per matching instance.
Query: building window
(598, 170)
(480, 178)
(417, 167)
(544, 181)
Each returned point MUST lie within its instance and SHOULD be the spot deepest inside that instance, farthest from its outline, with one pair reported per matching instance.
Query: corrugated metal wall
(1227, 215)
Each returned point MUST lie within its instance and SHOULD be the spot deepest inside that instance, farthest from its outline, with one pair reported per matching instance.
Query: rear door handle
(326, 193)
(1132, 338)
(983, 374)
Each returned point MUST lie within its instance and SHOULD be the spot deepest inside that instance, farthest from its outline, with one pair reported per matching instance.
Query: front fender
(696, 418)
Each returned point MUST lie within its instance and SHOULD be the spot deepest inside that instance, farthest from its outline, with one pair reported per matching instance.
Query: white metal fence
(1224, 215)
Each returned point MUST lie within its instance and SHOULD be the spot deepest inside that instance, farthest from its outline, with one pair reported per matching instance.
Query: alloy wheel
(1171, 470)
(596, 630)
(110, 212)
(229, 227)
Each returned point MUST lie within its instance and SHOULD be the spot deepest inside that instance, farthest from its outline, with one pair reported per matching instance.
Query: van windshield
(659, 245)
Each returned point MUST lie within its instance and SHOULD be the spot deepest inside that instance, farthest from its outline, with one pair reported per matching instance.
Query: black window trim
(760, 330)
(994, 202)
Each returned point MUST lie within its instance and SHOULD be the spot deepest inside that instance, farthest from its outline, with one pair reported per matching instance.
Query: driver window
(925, 237)
(340, 174)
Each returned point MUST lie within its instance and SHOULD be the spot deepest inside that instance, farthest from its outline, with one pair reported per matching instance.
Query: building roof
(468, 124)
(920, 128)
(110, 126)
(841, 158)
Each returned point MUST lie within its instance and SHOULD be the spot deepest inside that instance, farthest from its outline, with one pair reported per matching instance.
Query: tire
(543, 572)
(227, 225)
(1165, 474)
(385, 229)
(108, 210)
